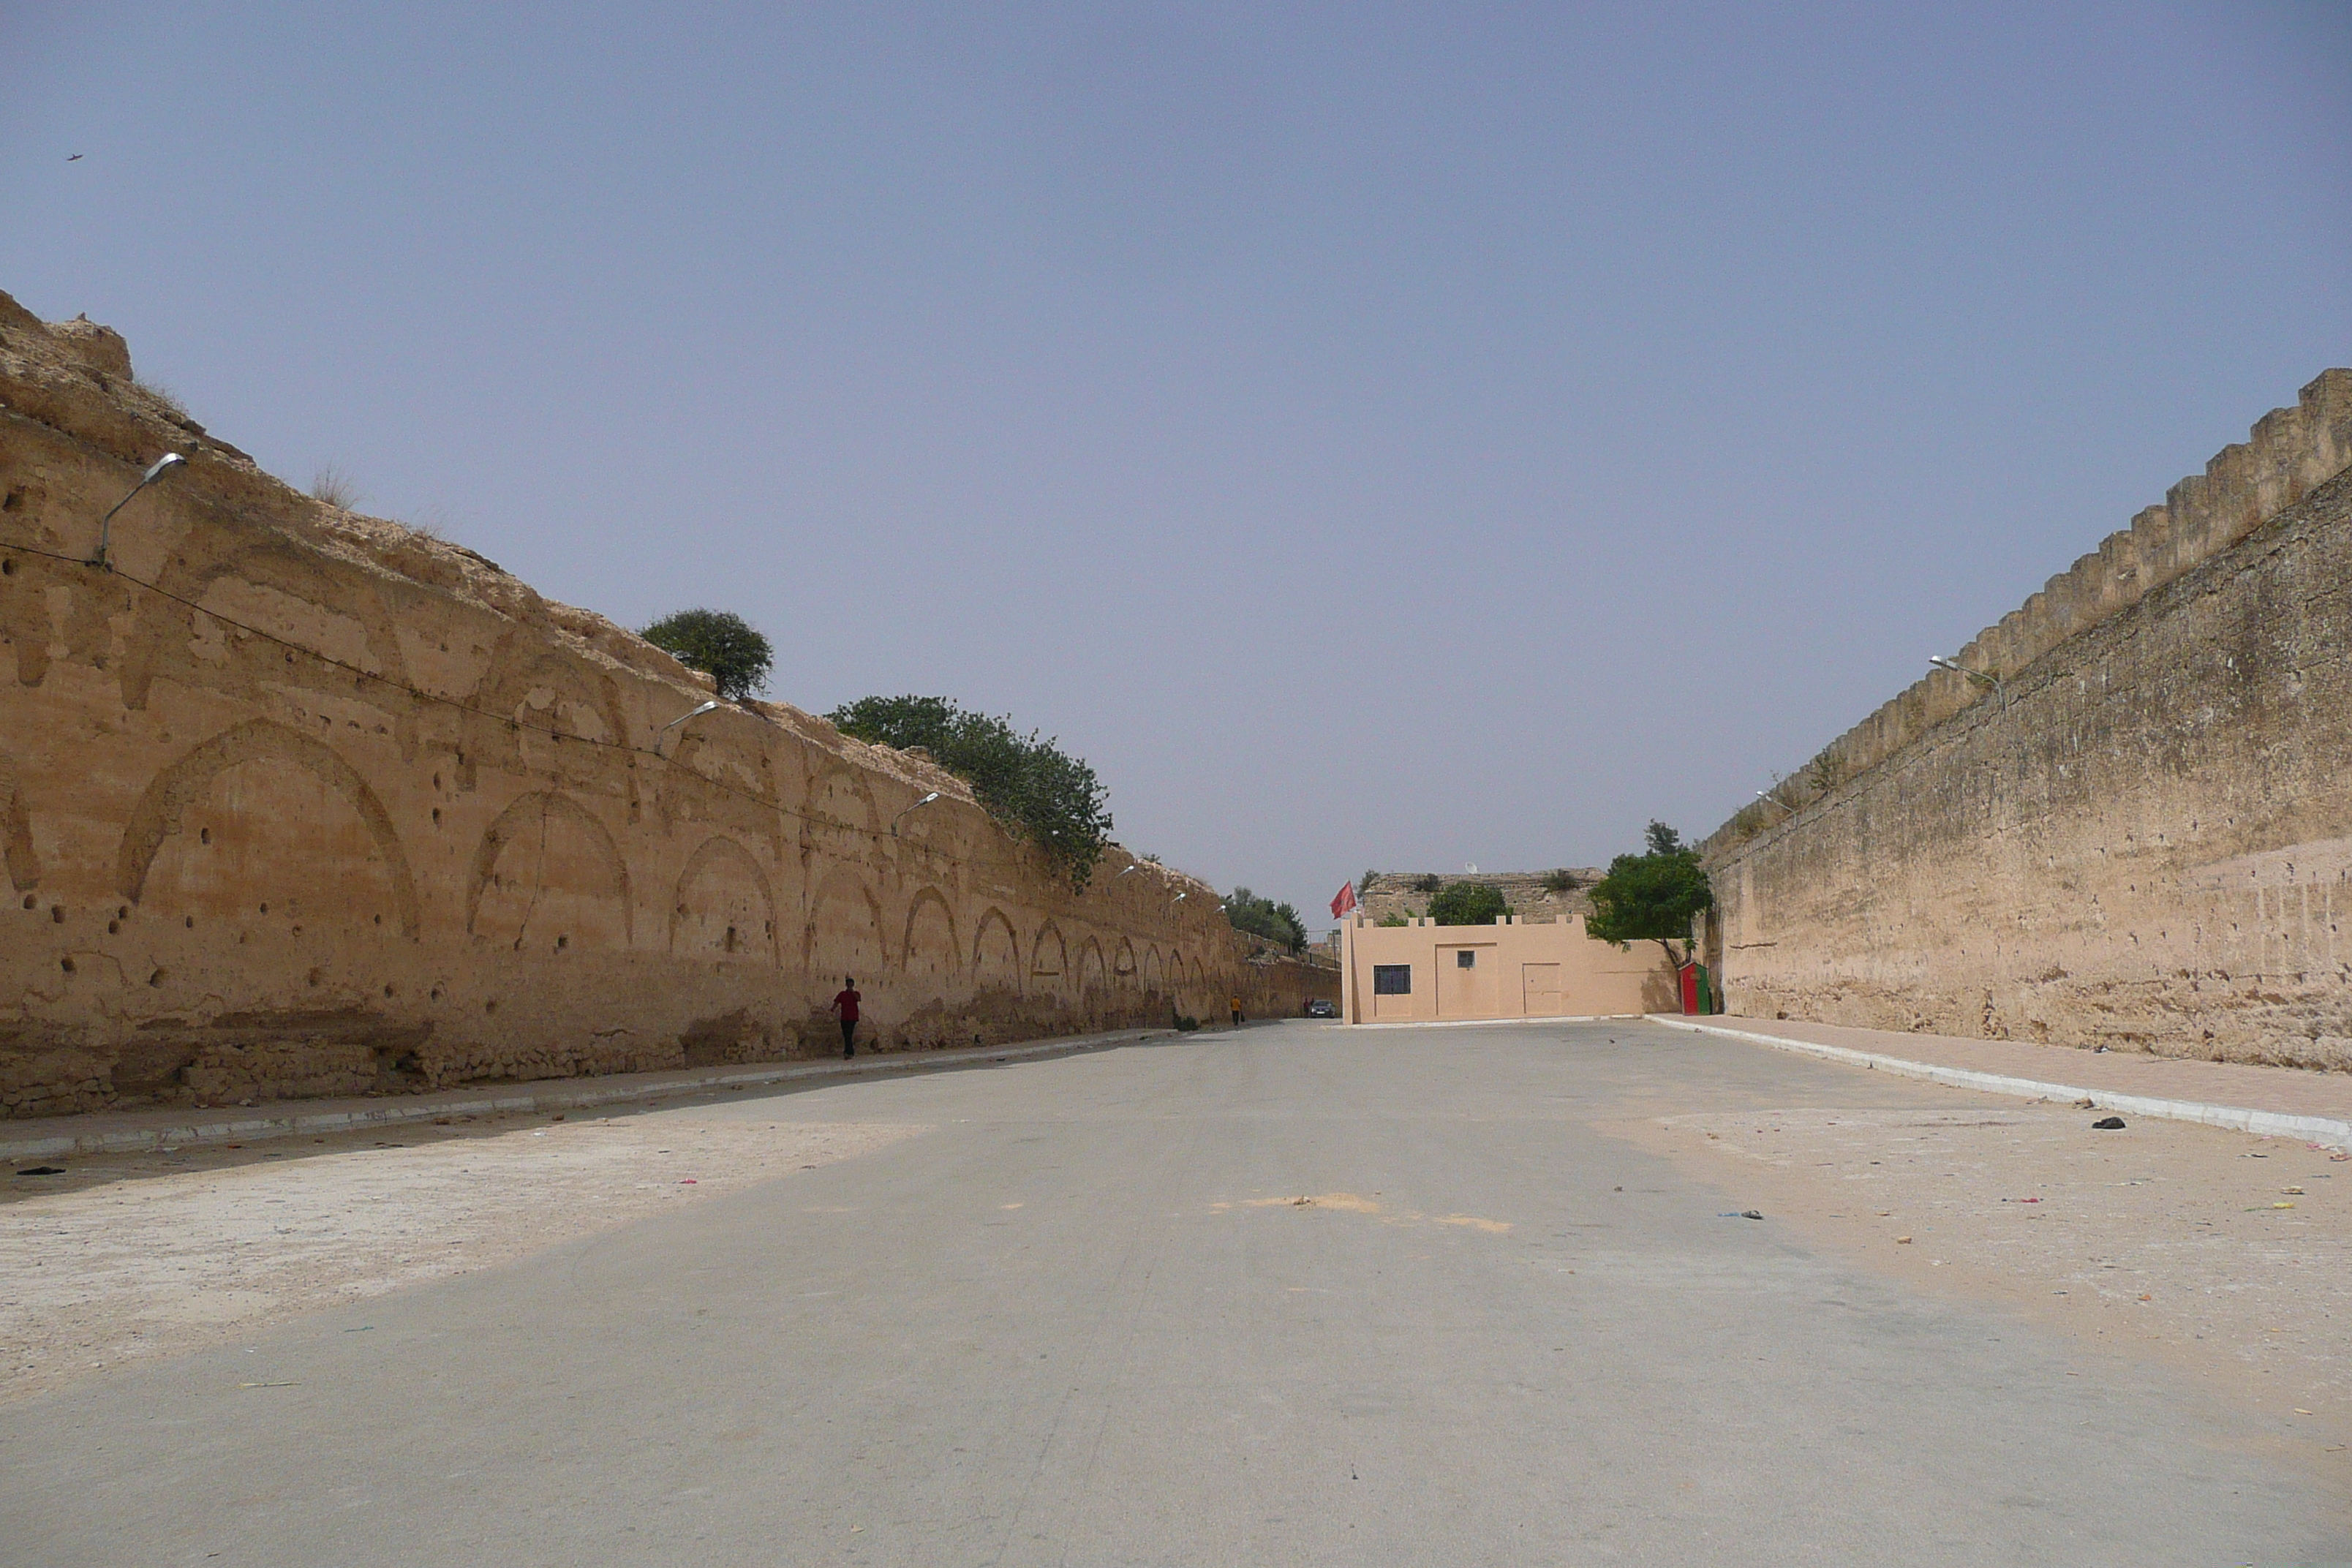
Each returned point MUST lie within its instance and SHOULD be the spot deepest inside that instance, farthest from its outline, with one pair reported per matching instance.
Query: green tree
(1031, 786)
(719, 643)
(1264, 917)
(1651, 897)
(1468, 904)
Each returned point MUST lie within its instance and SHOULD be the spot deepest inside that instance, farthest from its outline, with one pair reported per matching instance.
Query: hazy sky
(1372, 436)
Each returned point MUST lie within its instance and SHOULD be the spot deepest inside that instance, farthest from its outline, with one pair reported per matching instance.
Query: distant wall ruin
(294, 802)
(2142, 839)
(1530, 895)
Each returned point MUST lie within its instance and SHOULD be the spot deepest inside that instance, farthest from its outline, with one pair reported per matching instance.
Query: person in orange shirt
(1237, 1012)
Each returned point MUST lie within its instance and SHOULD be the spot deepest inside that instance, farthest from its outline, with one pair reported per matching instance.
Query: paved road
(1067, 1327)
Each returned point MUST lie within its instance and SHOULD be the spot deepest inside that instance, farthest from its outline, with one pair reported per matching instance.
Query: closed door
(1539, 989)
(1466, 983)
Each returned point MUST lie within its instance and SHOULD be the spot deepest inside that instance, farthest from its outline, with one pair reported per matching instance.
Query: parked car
(1318, 1008)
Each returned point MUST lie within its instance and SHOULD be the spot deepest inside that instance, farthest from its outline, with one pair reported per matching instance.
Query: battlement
(2289, 453)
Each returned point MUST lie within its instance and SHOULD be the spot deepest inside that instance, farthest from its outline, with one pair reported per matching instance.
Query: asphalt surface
(1084, 1322)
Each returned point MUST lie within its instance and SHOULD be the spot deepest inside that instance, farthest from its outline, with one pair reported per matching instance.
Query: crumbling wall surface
(295, 802)
(2143, 841)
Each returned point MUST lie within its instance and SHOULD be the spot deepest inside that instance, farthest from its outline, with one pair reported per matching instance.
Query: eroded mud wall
(2143, 839)
(294, 802)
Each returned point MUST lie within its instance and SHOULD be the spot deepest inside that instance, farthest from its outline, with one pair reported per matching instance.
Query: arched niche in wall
(548, 877)
(845, 935)
(842, 817)
(1093, 976)
(16, 851)
(930, 953)
(532, 683)
(1123, 965)
(1049, 962)
(723, 906)
(1154, 977)
(279, 588)
(530, 702)
(718, 772)
(262, 819)
(996, 953)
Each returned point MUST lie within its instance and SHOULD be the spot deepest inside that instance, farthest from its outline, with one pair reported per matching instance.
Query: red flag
(1344, 902)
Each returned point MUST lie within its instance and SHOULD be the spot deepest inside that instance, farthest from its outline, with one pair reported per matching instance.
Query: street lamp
(169, 460)
(1980, 677)
(896, 820)
(1776, 800)
(692, 713)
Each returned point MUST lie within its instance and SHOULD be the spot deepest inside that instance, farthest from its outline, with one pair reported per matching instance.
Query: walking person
(1237, 1012)
(845, 1004)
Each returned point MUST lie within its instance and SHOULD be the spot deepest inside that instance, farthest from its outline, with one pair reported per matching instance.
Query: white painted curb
(2261, 1123)
(554, 1094)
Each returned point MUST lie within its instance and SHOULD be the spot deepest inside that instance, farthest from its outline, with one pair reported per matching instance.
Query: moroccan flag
(1344, 902)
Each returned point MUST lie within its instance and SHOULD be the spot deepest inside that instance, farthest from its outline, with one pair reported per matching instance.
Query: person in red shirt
(845, 1004)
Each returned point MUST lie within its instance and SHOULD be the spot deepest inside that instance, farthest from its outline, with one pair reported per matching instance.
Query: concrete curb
(148, 1130)
(2238, 1119)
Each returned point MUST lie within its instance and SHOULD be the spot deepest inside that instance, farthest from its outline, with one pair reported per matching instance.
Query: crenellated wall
(2289, 453)
(2143, 839)
(295, 802)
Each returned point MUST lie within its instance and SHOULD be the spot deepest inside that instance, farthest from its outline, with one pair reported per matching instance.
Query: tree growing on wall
(1031, 786)
(719, 643)
(1468, 904)
(1263, 917)
(1651, 897)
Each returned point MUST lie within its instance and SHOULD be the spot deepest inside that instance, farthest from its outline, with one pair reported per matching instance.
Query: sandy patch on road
(150, 1255)
(1356, 1203)
(2228, 1256)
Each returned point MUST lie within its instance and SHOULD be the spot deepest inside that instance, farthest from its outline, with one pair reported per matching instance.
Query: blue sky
(1372, 436)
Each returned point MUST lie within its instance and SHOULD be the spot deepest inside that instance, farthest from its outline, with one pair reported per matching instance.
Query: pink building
(1511, 968)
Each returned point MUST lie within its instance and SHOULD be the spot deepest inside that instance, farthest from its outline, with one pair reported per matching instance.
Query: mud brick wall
(2148, 846)
(295, 802)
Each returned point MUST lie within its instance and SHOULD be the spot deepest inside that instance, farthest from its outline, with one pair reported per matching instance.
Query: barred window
(1391, 979)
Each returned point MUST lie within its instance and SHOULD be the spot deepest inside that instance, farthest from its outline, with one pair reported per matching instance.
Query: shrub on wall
(1468, 904)
(1263, 917)
(1030, 786)
(719, 643)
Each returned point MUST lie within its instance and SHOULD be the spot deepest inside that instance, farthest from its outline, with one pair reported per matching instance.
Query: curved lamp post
(163, 465)
(925, 801)
(690, 713)
(1980, 677)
